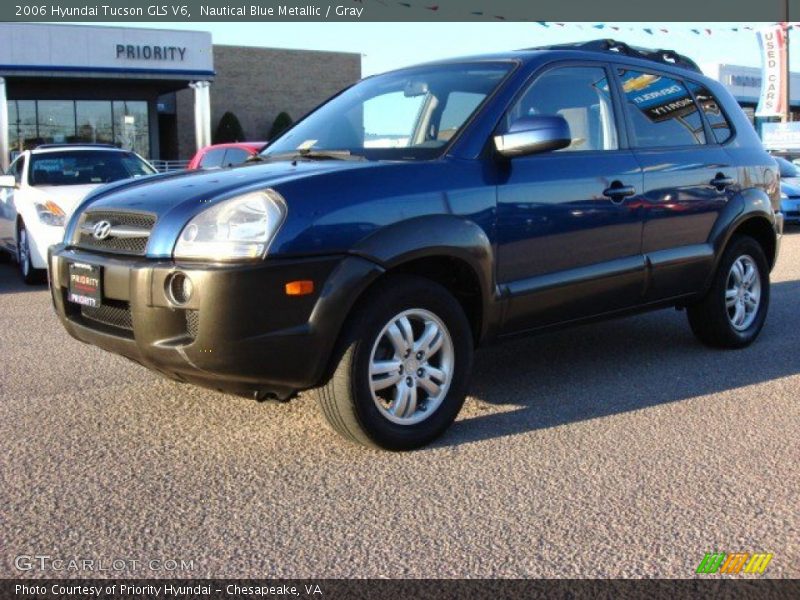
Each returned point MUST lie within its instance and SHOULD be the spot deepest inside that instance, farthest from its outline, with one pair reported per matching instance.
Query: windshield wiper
(311, 154)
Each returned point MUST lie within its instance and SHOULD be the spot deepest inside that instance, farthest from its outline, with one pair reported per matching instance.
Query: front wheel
(404, 367)
(29, 274)
(733, 311)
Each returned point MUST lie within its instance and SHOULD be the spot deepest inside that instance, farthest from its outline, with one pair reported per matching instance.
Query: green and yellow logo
(719, 562)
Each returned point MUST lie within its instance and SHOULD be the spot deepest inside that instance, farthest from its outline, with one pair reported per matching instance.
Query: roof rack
(666, 57)
(74, 144)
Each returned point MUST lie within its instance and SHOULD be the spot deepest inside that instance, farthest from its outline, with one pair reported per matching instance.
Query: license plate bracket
(85, 284)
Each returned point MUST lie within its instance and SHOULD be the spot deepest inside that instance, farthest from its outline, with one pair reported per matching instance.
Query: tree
(282, 122)
(228, 130)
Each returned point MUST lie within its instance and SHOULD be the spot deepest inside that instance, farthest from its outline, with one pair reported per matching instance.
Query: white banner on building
(772, 41)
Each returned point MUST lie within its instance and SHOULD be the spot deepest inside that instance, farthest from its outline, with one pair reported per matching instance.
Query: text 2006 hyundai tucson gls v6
(422, 212)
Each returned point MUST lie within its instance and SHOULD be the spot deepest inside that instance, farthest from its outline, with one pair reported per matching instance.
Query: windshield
(405, 115)
(787, 169)
(82, 167)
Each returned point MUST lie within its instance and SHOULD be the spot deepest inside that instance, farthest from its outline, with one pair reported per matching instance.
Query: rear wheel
(404, 367)
(733, 311)
(27, 272)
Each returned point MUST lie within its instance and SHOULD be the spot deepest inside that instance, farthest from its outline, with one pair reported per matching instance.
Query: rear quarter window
(720, 125)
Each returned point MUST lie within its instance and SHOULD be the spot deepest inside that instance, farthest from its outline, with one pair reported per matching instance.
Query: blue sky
(385, 46)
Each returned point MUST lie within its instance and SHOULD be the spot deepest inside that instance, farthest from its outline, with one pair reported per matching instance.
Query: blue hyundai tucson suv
(420, 213)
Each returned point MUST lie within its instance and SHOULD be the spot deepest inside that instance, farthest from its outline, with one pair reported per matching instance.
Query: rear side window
(662, 110)
(212, 159)
(711, 108)
(581, 96)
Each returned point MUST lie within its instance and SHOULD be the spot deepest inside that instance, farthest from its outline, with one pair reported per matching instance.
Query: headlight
(784, 196)
(50, 213)
(241, 227)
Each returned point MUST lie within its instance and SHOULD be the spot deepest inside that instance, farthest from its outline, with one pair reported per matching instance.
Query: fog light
(179, 288)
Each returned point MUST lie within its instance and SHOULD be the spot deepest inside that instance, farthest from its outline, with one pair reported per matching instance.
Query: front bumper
(239, 332)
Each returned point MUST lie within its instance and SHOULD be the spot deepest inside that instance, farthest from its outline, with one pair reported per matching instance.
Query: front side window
(80, 167)
(581, 96)
(405, 115)
(662, 111)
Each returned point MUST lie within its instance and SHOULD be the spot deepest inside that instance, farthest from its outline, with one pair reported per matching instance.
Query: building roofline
(309, 50)
(96, 26)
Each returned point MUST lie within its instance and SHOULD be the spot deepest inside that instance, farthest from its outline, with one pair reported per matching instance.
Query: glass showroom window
(21, 125)
(94, 121)
(56, 121)
(131, 128)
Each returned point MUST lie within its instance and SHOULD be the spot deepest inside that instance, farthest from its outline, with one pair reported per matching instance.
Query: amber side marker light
(300, 288)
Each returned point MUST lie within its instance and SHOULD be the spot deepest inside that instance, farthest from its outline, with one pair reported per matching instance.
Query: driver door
(569, 224)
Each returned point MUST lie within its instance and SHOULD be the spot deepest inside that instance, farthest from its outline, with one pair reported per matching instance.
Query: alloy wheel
(411, 366)
(743, 292)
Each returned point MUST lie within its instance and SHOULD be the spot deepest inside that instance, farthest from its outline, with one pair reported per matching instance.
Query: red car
(224, 155)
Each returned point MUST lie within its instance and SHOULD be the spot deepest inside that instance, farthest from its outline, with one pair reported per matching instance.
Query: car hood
(791, 187)
(174, 198)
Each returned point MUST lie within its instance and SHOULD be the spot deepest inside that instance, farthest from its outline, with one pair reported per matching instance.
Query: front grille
(192, 320)
(119, 245)
(113, 314)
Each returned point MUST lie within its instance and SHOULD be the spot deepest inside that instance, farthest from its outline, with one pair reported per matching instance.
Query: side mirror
(531, 135)
(7, 181)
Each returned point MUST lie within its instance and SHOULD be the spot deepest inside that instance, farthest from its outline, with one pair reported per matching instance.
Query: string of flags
(659, 30)
(653, 30)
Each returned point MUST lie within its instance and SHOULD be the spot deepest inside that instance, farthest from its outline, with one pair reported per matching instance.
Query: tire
(404, 401)
(717, 320)
(29, 275)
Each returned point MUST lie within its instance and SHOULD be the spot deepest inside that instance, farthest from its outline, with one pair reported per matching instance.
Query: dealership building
(159, 92)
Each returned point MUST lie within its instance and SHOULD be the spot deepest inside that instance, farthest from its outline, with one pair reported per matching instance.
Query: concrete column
(202, 113)
(4, 148)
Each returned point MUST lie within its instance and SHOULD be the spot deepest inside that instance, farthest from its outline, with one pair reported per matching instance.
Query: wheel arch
(452, 251)
(748, 213)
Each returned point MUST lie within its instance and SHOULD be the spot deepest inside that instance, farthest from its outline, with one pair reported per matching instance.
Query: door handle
(721, 181)
(618, 192)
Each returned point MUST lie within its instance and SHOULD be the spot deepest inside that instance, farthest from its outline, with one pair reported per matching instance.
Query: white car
(43, 186)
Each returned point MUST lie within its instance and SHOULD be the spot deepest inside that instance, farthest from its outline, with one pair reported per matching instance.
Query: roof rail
(666, 57)
(74, 144)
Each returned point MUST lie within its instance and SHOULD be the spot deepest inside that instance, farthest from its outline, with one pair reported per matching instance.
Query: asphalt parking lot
(623, 449)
